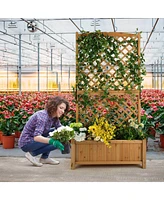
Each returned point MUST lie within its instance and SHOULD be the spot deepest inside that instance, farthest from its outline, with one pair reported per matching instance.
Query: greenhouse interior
(110, 71)
(40, 54)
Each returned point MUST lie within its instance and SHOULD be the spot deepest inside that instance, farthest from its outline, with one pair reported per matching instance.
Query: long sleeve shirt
(38, 124)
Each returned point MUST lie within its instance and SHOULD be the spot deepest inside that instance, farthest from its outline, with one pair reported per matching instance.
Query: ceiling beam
(75, 25)
(114, 29)
(150, 34)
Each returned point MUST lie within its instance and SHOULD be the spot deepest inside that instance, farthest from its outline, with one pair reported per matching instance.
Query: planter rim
(111, 141)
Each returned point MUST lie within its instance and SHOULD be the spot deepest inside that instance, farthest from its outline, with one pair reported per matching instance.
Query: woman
(34, 138)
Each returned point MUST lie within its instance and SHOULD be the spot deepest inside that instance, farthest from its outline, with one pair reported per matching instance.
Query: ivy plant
(105, 63)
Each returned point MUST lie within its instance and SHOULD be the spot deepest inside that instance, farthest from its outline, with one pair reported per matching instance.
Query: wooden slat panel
(118, 152)
(113, 152)
(101, 149)
(109, 153)
(82, 153)
(125, 152)
(92, 152)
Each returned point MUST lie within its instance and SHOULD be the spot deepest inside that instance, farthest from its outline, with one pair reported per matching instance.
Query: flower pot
(8, 141)
(152, 131)
(66, 148)
(162, 140)
(17, 134)
(1, 133)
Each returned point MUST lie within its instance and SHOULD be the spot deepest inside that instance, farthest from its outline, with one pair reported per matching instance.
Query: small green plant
(132, 130)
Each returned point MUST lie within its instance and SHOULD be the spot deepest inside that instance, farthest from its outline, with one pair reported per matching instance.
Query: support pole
(157, 74)
(69, 85)
(61, 67)
(20, 56)
(161, 73)
(7, 78)
(51, 59)
(47, 78)
(38, 67)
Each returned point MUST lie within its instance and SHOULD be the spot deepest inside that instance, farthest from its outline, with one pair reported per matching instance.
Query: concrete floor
(14, 167)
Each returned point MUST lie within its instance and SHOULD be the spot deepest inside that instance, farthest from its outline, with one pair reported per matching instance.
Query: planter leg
(72, 155)
(144, 154)
(72, 165)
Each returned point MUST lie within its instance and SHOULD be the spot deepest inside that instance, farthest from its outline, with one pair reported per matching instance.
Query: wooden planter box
(96, 153)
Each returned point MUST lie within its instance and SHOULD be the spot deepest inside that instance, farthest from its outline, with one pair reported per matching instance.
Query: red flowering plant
(152, 102)
(7, 122)
(7, 116)
(70, 117)
(16, 109)
(159, 121)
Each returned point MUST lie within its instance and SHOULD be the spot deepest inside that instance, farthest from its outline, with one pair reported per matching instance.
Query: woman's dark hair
(53, 103)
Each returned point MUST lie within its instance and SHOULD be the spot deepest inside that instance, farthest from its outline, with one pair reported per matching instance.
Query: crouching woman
(34, 139)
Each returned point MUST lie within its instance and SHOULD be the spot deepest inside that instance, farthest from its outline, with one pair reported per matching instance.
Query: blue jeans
(36, 148)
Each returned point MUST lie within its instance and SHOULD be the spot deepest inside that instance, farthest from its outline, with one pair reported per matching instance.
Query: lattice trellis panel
(113, 72)
(117, 108)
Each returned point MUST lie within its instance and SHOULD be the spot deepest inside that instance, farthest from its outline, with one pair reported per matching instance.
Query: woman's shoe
(33, 160)
(49, 161)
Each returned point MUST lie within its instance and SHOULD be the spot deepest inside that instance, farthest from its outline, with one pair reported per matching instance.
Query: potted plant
(64, 134)
(1, 133)
(7, 126)
(159, 120)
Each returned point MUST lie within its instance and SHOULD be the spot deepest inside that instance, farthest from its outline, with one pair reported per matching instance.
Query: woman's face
(60, 110)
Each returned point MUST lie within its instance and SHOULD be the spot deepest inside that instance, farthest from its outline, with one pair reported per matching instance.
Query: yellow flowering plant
(102, 131)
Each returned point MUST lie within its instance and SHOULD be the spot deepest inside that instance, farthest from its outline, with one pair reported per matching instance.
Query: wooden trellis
(120, 105)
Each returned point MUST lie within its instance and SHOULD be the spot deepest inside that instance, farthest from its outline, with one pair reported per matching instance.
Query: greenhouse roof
(55, 38)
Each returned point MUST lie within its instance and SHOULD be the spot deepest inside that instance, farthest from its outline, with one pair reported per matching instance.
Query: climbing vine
(105, 63)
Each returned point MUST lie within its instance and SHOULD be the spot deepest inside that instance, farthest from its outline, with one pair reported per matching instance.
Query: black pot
(66, 148)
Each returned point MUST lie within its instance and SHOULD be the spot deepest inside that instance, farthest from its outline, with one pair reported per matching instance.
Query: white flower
(94, 63)
(142, 125)
(83, 129)
(130, 120)
(97, 138)
(132, 124)
(51, 133)
(67, 128)
(60, 128)
(80, 136)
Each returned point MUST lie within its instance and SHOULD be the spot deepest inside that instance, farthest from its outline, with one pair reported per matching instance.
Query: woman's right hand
(56, 144)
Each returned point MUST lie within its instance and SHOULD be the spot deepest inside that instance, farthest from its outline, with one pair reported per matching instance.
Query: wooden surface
(120, 152)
